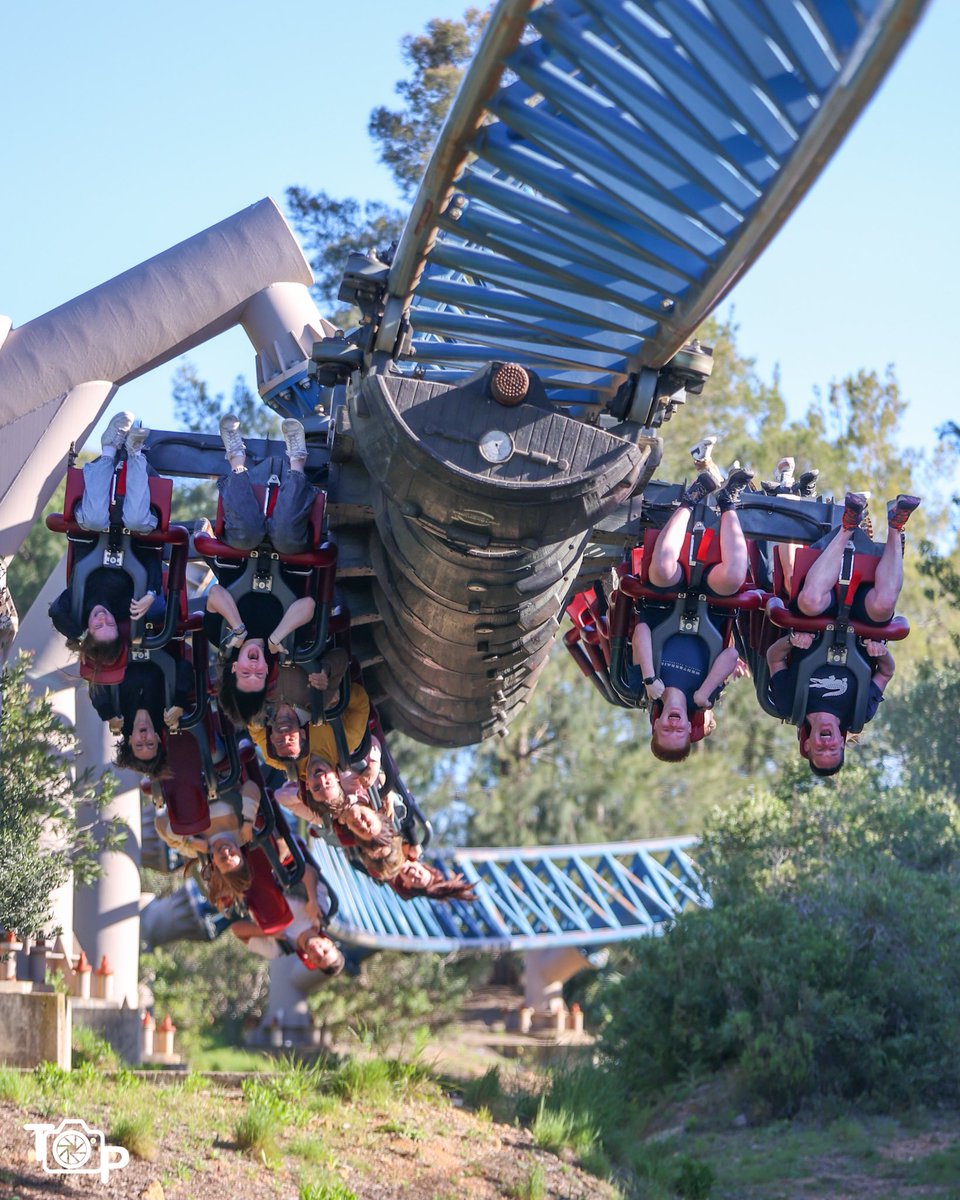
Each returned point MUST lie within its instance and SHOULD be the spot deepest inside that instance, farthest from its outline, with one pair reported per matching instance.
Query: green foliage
(330, 230)
(36, 558)
(204, 985)
(486, 1091)
(829, 964)
(90, 1049)
(256, 1131)
(693, 1180)
(368, 1079)
(533, 1187)
(437, 59)
(17, 1087)
(409, 990)
(329, 1188)
(136, 1132)
(48, 820)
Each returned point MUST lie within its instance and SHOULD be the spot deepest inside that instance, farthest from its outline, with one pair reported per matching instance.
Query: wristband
(652, 679)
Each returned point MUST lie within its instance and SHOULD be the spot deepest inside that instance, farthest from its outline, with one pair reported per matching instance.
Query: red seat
(185, 794)
(161, 493)
(267, 904)
(864, 571)
(268, 497)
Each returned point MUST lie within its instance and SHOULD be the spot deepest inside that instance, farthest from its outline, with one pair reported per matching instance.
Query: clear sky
(129, 127)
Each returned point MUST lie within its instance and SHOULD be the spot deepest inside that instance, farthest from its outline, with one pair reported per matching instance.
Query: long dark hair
(439, 888)
(242, 708)
(225, 888)
(155, 767)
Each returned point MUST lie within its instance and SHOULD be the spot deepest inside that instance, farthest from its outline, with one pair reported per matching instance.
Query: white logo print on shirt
(830, 685)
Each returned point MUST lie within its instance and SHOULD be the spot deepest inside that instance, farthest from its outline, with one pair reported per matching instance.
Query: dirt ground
(433, 1152)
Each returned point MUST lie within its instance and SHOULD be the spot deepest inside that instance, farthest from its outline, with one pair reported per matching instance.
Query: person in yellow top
(289, 737)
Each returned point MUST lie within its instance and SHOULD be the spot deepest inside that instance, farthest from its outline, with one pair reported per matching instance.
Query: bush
(90, 1049)
(135, 1131)
(829, 966)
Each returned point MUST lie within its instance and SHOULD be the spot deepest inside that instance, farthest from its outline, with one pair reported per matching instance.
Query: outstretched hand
(318, 680)
(801, 641)
(654, 690)
(875, 649)
(140, 608)
(171, 717)
(287, 793)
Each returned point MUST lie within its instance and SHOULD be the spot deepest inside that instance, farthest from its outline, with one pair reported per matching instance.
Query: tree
(41, 836)
(437, 58)
(330, 228)
(41, 550)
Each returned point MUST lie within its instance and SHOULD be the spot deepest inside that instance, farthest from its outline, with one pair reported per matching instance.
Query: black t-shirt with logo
(832, 689)
(684, 663)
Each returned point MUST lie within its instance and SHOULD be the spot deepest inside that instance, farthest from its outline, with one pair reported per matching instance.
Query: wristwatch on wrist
(652, 679)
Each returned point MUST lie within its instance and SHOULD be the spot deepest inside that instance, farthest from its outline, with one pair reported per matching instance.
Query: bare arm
(643, 658)
(188, 846)
(220, 601)
(778, 655)
(723, 667)
(298, 614)
(883, 664)
(251, 806)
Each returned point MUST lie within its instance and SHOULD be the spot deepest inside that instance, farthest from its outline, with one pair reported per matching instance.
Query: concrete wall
(118, 1026)
(34, 1028)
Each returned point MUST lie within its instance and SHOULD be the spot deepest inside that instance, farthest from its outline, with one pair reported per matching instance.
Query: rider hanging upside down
(226, 874)
(685, 682)
(256, 625)
(831, 694)
(137, 710)
(108, 601)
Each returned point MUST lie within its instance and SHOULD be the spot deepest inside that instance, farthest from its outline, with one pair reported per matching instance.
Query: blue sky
(130, 127)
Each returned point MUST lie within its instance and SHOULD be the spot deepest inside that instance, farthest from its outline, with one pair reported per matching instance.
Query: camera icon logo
(75, 1148)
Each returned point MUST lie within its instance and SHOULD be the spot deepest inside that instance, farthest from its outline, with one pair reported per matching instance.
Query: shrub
(90, 1049)
(135, 1131)
(830, 964)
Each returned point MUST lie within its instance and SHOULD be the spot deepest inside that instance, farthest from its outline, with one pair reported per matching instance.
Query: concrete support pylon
(545, 973)
(64, 419)
(124, 328)
(107, 912)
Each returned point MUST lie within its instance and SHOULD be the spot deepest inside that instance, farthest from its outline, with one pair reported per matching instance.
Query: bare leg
(665, 569)
(730, 572)
(787, 554)
(816, 593)
(881, 601)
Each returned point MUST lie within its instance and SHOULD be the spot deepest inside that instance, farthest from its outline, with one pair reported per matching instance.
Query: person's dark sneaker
(853, 508)
(898, 513)
(729, 495)
(807, 484)
(703, 486)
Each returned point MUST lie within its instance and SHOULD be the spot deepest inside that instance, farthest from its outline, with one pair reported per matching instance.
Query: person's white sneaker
(702, 455)
(136, 437)
(295, 438)
(231, 437)
(115, 434)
